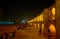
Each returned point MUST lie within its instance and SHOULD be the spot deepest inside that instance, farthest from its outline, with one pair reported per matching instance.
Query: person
(18, 28)
(39, 31)
(13, 34)
(6, 36)
(48, 34)
(1, 37)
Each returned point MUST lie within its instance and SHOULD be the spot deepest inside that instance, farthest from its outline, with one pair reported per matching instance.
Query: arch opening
(52, 28)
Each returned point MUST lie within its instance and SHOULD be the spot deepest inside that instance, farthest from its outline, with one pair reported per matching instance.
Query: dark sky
(23, 9)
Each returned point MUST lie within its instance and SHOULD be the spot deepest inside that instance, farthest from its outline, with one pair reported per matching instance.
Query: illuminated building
(46, 18)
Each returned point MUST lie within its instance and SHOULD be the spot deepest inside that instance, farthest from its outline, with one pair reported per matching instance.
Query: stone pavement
(29, 34)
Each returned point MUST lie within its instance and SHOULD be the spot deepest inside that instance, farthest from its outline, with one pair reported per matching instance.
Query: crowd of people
(7, 35)
(11, 35)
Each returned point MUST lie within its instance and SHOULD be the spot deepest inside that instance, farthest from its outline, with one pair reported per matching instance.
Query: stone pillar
(57, 19)
(45, 18)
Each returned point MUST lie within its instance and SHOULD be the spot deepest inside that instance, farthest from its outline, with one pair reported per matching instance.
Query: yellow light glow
(41, 17)
(52, 28)
(38, 25)
(34, 19)
(35, 25)
(38, 18)
(31, 20)
(53, 18)
(42, 28)
(53, 11)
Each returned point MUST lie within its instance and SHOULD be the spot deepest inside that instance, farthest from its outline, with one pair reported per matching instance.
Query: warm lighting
(35, 19)
(41, 17)
(53, 18)
(42, 28)
(31, 20)
(53, 13)
(35, 25)
(52, 28)
(30, 23)
(38, 25)
(38, 18)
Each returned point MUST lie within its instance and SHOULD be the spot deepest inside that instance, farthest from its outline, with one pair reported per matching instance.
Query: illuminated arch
(52, 28)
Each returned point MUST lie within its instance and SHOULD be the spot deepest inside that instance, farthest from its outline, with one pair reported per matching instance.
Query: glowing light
(53, 13)
(31, 20)
(35, 19)
(38, 18)
(52, 28)
(42, 28)
(35, 25)
(41, 17)
(53, 18)
(38, 25)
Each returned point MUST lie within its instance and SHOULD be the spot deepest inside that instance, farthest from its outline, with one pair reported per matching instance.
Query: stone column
(57, 19)
(45, 18)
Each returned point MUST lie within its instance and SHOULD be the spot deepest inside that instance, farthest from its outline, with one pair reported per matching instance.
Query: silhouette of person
(48, 34)
(13, 34)
(17, 28)
(6, 36)
(1, 37)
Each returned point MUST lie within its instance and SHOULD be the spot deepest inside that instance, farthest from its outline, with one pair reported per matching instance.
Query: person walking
(6, 36)
(13, 34)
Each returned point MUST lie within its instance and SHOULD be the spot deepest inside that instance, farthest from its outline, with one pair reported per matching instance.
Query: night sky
(23, 9)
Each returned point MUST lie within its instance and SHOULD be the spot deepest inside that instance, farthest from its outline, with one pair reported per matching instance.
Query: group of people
(6, 35)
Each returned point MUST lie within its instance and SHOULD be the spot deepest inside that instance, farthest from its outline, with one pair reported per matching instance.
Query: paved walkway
(29, 34)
